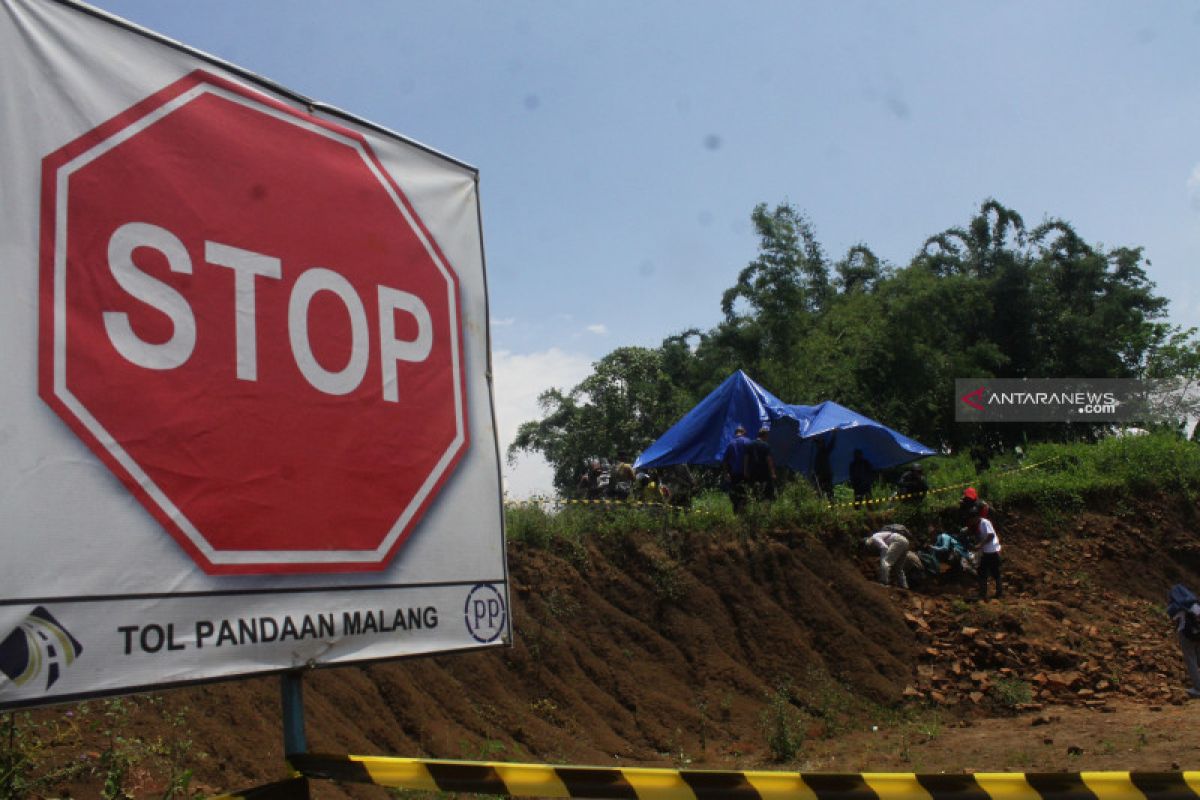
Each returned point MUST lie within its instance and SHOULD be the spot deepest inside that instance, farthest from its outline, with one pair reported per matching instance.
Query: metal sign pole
(292, 694)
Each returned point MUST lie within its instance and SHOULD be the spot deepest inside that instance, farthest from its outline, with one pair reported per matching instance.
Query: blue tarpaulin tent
(844, 431)
(704, 432)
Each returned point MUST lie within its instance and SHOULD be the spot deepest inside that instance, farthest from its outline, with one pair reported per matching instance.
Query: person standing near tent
(892, 546)
(862, 476)
(760, 466)
(678, 484)
(912, 485)
(650, 491)
(734, 465)
(590, 486)
(823, 466)
(621, 483)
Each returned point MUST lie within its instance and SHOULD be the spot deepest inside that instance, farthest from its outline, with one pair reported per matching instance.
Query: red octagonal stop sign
(244, 318)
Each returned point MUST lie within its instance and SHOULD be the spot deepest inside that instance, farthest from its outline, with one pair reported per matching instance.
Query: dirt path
(1130, 735)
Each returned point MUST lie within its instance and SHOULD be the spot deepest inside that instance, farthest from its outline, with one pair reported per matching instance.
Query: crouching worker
(949, 550)
(892, 547)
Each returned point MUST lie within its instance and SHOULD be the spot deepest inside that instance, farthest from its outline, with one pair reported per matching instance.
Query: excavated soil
(718, 651)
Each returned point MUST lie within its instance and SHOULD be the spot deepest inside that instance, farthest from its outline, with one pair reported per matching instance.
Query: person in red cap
(970, 504)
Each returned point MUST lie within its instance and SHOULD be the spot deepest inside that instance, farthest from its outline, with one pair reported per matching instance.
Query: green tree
(614, 413)
(1173, 372)
(1044, 303)
(859, 271)
(768, 310)
(1095, 313)
(986, 299)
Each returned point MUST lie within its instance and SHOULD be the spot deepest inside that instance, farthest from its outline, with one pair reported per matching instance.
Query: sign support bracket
(291, 685)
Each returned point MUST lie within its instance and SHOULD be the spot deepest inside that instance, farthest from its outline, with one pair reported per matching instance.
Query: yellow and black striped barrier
(642, 783)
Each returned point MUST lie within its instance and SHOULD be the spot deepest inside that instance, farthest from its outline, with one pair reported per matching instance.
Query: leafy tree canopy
(992, 298)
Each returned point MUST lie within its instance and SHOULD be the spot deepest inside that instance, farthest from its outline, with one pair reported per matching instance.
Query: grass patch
(1011, 692)
(90, 740)
(1115, 468)
(1056, 479)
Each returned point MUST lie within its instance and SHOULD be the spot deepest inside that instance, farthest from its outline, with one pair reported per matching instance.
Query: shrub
(1011, 692)
(783, 724)
(529, 523)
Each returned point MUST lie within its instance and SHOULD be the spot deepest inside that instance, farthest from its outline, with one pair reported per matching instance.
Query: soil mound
(721, 650)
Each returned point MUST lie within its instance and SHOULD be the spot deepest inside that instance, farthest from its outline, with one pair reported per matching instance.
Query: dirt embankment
(720, 650)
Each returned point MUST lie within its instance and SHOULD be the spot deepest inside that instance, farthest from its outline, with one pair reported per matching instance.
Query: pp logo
(38, 642)
(485, 613)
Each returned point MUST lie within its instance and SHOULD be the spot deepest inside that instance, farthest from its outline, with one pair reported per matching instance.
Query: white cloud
(519, 379)
(506, 322)
(1193, 187)
(600, 329)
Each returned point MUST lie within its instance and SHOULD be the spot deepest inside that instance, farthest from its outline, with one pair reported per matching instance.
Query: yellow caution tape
(547, 501)
(607, 502)
(648, 783)
(857, 504)
(938, 490)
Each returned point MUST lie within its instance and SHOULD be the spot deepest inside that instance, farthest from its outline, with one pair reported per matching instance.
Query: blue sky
(622, 145)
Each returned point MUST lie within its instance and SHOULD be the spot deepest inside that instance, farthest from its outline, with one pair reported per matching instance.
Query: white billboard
(247, 416)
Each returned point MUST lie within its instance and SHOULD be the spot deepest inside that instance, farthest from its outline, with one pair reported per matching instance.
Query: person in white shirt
(988, 545)
(892, 547)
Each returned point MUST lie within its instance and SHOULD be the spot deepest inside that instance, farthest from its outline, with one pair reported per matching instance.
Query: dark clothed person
(981, 457)
(1185, 613)
(862, 475)
(760, 467)
(823, 467)
(913, 484)
(589, 485)
(733, 464)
